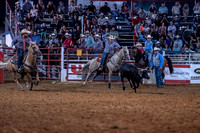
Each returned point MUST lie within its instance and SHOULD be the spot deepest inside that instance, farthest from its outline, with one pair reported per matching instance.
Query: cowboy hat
(67, 34)
(111, 37)
(101, 14)
(82, 35)
(156, 49)
(138, 44)
(87, 32)
(157, 42)
(53, 34)
(25, 31)
(177, 36)
(149, 36)
(97, 35)
(17, 2)
(109, 14)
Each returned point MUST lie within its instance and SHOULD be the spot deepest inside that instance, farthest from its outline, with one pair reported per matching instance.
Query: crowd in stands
(167, 32)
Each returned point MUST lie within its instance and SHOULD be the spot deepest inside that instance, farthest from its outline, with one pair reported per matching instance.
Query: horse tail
(169, 61)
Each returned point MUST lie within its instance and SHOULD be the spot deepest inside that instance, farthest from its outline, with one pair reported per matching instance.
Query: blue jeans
(149, 57)
(20, 53)
(158, 75)
(103, 58)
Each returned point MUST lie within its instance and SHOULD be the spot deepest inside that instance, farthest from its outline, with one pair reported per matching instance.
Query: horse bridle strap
(32, 68)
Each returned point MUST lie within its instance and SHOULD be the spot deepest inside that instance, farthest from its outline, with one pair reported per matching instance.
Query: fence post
(1, 70)
(67, 64)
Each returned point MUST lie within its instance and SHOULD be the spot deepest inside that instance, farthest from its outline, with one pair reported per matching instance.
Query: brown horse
(141, 60)
(29, 65)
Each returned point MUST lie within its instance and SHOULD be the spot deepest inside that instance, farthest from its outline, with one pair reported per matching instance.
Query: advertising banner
(72, 71)
(195, 74)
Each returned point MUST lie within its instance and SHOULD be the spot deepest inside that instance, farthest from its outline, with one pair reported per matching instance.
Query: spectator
(36, 38)
(163, 9)
(36, 19)
(125, 10)
(27, 6)
(68, 41)
(105, 9)
(198, 46)
(171, 27)
(185, 11)
(152, 8)
(114, 33)
(54, 22)
(51, 8)
(154, 15)
(101, 20)
(142, 14)
(176, 22)
(91, 8)
(185, 48)
(61, 6)
(178, 41)
(98, 44)
(18, 17)
(75, 21)
(89, 41)
(53, 41)
(193, 42)
(111, 21)
(33, 11)
(162, 29)
(40, 7)
(43, 30)
(81, 41)
(148, 20)
(29, 20)
(171, 35)
(135, 8)
(63, 30)
(17, 8)
(60, 12)
(176, 47)
(168, 42)
(115, 11)
(75, 12)
(158, 45)
(154, 34)
(94, 21)
(85, 9)
(80, 9)
(60, 23)
(165, 20)
(196, 21)
(77, 33)
(196, 8)
(176, 9)
(157, 21)
(146, 29)
(87, 26)
(71, 8)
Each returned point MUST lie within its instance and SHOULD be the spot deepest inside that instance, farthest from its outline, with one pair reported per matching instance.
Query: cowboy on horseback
(148, 46)
(110, 46)
(21, 44)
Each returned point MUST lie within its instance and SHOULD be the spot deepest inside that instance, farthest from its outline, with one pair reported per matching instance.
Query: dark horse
(141, 60)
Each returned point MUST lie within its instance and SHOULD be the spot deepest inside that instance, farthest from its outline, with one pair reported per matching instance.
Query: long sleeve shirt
(157, 60)
(148, 44)
(109, 46)
(98, 44)
(18, 42)
(68, 43)
(89, 41)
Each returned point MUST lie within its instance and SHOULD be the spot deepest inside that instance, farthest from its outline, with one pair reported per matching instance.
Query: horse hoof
(109, 86)
(30, 89)
(36, 83)
(124, 88)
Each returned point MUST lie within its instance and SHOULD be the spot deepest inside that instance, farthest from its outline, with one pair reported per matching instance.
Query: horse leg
(110, 75)
(88, 75)
(95, 75)
(133, 82)
(37, 78)
(30, 81)
(123, 84)
(17, 80)
(22, 77)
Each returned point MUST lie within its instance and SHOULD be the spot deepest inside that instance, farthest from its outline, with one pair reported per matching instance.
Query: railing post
(67, 64)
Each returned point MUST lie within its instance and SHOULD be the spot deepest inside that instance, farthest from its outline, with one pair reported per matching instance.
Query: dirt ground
(73, 108)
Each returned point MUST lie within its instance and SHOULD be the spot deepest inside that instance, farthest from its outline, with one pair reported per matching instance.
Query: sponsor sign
(72, 71)
(195, 74)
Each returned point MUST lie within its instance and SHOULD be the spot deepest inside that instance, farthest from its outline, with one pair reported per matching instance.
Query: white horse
(112, 65)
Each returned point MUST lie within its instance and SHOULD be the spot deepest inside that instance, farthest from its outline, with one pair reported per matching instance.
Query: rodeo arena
(91, 66)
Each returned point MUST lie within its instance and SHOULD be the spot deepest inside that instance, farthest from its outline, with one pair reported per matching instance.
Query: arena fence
(1, 70)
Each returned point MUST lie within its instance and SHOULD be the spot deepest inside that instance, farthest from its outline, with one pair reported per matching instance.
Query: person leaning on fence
(89, 40)
(68, 41)
(81, 41)
(110, 46)
(98, 44)
(158, 64)
(21, 44)
(148, 46)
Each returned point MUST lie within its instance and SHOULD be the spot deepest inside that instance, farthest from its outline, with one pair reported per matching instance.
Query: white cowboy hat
(17, 2)
(101, 14)
(87, 32)
(109, 14)
(111, 37)
(97, 35)
(67, 34)
(25, 31)
(82, 35)
(157, 42)
(156, 49)
(177, 36)
(149, 36)
(53, 34)
(138, 44)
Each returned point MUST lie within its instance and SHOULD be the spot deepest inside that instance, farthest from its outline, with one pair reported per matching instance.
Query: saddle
(105, 68)
(14, 59)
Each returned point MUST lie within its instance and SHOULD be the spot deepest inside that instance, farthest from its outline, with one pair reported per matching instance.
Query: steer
(133, 74)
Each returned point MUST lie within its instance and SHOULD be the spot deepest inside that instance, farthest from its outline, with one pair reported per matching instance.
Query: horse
(141, 61)
(29, 65)
(112, 65)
